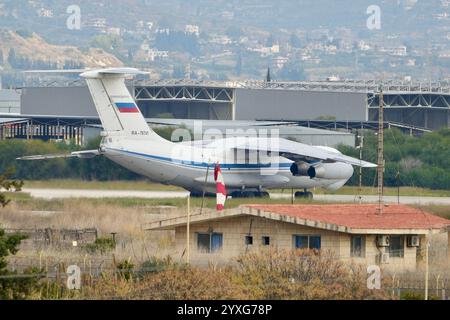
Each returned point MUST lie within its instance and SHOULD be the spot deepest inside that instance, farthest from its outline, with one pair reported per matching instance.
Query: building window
(203, 242)
(266, 241)
(209, 242)
(358, 244)
(396, 246)
(248, 240)
(307, 242)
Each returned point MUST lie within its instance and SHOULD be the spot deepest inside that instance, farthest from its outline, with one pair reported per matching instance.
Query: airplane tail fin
(116, 107)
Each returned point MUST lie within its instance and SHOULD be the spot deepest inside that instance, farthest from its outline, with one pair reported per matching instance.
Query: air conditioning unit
(383, 241)
(384, 258)
(413, 241)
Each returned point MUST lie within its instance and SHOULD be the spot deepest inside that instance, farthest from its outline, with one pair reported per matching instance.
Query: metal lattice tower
(380, 152)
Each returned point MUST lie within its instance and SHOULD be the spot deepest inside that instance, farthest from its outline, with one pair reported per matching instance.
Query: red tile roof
(361, 216)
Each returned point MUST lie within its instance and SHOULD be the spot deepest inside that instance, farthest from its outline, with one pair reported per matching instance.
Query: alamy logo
(374, 20)
(374, 277)
(73, 278)
(74, 20)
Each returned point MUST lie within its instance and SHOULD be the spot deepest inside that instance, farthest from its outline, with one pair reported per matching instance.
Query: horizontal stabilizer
(87, 154)
(97, 74)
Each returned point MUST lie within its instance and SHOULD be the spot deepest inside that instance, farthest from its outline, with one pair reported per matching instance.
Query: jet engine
(332, 171)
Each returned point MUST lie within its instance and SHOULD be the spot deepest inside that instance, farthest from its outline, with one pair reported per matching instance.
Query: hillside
(34, 48)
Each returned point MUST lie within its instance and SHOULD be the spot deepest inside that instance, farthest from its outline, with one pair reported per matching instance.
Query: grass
(144, 185)
(439, 210)
(141, 185)
(25, 202)
(404, 191)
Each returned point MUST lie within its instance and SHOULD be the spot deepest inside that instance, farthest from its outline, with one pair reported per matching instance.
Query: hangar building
(331, 105)
(412, 104)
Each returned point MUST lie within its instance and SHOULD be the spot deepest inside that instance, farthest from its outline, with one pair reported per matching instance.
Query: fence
(60, 237)
(94, 268)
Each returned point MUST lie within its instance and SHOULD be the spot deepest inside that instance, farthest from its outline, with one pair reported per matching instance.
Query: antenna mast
(380, 151)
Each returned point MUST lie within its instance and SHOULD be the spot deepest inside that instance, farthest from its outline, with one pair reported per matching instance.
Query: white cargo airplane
(277, 163)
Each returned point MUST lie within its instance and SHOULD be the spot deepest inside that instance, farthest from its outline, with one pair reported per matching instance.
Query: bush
(102, 245)
(12, 285)
(301, 274)
(155, 265)
(411, 295)
(267, 274)
(125, 269)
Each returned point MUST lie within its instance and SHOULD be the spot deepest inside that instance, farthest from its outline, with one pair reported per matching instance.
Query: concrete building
(395, 240)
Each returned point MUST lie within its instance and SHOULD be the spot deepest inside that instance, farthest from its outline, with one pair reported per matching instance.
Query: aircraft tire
(304, 195)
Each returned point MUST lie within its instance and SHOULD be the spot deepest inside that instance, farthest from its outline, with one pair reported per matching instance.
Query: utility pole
(361, 146)
(188, 230)
(380, 151)
(427, 267)
(204, 187)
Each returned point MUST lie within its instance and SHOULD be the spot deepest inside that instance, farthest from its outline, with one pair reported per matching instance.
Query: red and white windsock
(221, 190)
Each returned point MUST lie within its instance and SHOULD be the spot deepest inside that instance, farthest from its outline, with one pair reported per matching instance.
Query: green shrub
(125, 269)
(411, 295)
(155, 265)
(14, 286)
(102, 245)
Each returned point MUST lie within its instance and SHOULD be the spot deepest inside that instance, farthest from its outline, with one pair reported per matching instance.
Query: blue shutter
(301, 242)
(315, 242)
(217, 242)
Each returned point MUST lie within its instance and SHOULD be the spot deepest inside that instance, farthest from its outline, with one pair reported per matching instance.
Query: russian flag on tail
(221, 190)
(127, 107)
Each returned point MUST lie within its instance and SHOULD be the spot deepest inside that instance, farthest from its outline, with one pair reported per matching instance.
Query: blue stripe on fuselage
(205, 165)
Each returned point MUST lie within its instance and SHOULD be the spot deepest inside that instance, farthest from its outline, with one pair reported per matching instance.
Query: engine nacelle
(332, 171)
(300, 169)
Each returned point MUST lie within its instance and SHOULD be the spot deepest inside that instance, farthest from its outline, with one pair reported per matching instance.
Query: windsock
(221, 190)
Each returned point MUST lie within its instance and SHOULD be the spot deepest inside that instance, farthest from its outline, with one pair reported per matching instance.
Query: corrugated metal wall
(58, 101)
(299, 105)
(251, 104)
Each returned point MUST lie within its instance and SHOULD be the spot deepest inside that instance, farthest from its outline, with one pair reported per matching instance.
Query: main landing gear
(249, 194)
(200, 195)
(235, 194)
(304, 195)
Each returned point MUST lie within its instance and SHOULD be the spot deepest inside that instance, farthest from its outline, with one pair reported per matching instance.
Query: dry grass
(145, 185)
(267, 274)
(142, 185)
(132, 241)
(122, 216)
(439, 210)
(76, 215)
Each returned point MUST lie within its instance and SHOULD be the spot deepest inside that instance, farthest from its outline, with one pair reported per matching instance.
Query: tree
(268, 77)
(239, 64)
(292, 71)
(270, 41)
(8, 185)
(12, 286)
(12, 57)
(295, 41)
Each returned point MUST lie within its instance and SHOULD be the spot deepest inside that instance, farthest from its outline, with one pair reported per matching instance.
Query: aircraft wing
(292, 150)
(87, 154)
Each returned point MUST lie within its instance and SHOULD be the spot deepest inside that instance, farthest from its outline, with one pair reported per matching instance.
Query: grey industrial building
(418, 105)
(346, 105)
